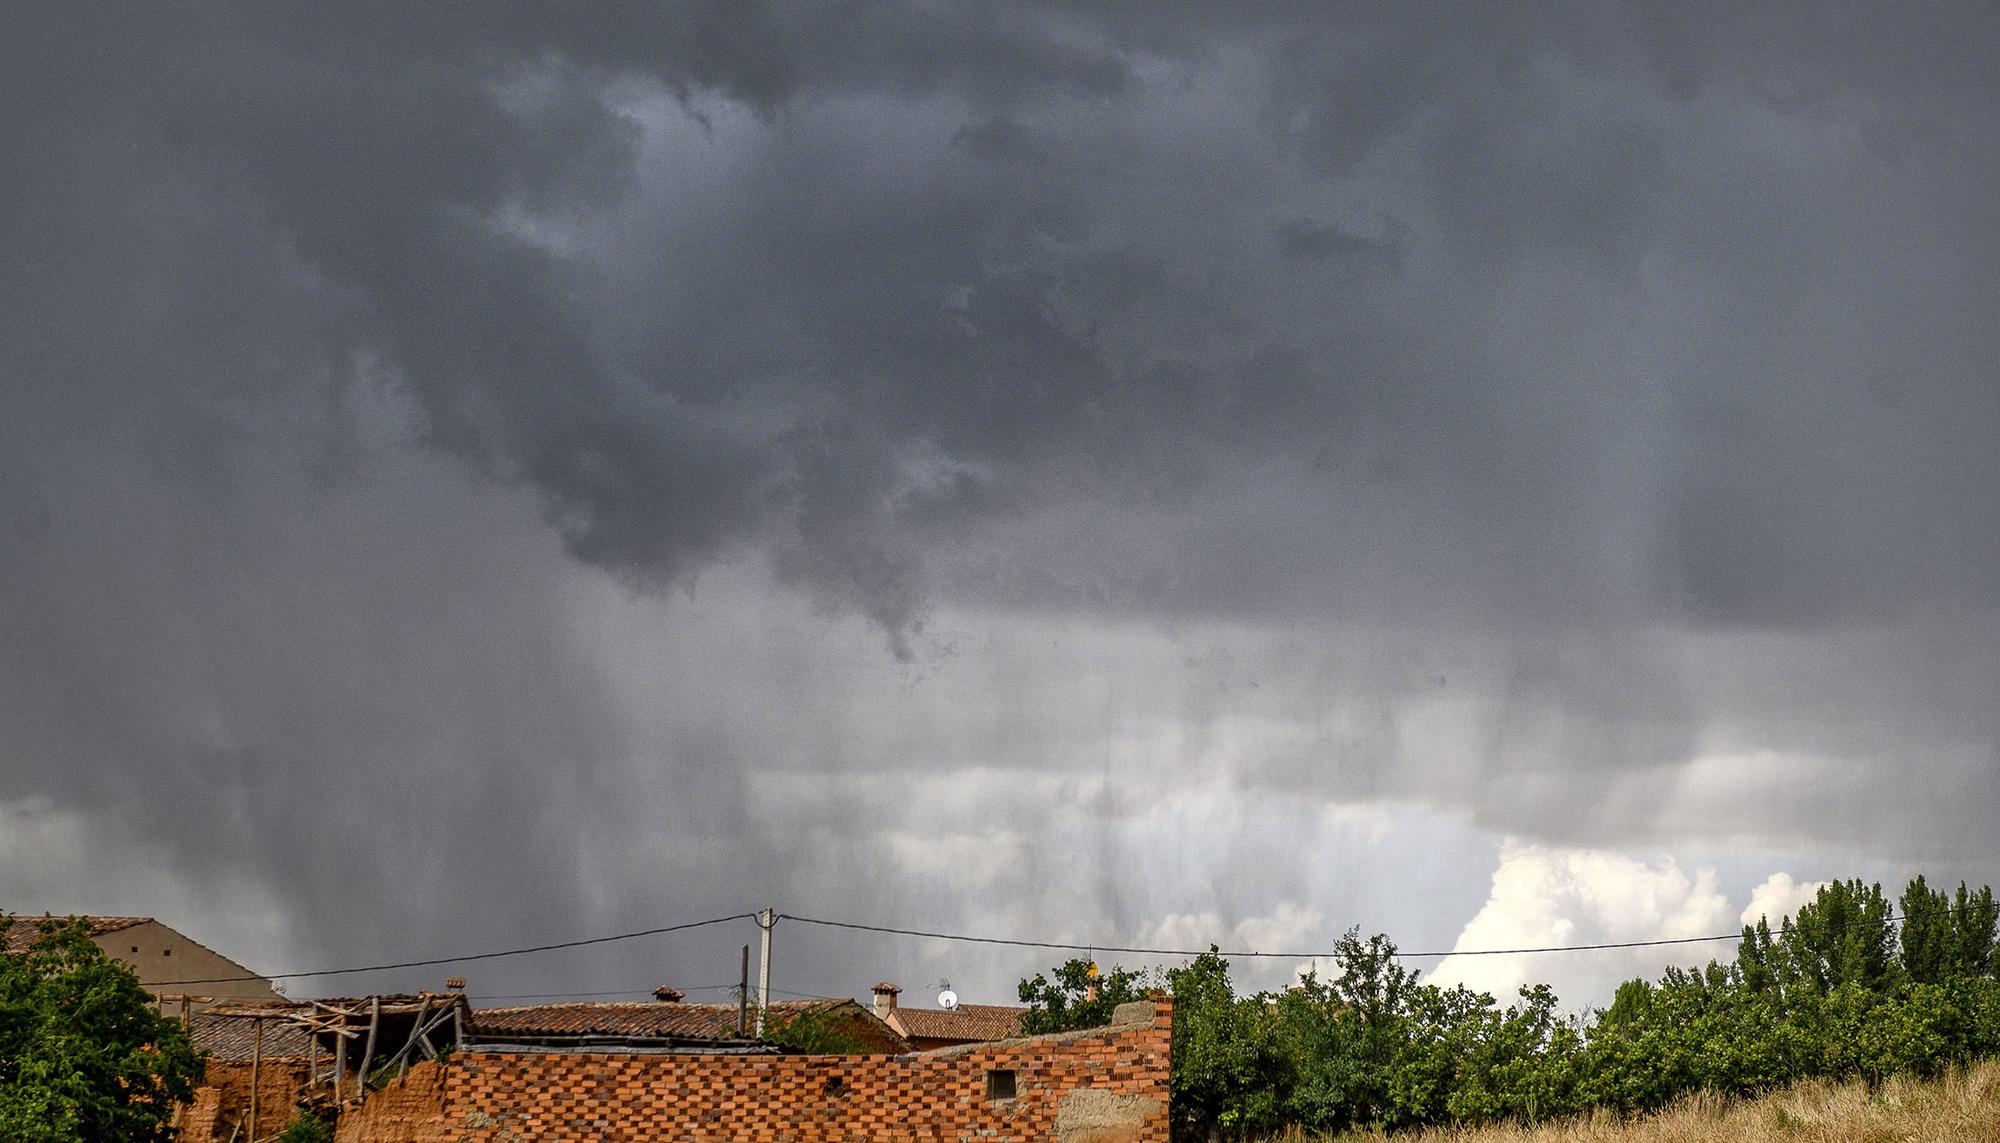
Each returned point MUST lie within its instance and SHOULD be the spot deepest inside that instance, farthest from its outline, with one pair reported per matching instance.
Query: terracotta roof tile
(968, 1023)
(235, 1038)
(657, 1021)
(24, 930)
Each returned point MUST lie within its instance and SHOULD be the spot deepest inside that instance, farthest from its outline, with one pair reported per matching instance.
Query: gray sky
(1108, 473)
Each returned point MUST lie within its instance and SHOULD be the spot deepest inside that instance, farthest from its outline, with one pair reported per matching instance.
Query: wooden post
(368, 1053)
(312, 1059)
(340, 1061)
(401, 1060)
(256, 1065)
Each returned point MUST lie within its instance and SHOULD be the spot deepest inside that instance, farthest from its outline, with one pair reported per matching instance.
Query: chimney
(666, 995)
(885, 999)
(454, 984)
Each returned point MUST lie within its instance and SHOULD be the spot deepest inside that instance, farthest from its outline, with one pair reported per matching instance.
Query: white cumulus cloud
(1543, 896)
(1779, 896)
(1289, 925)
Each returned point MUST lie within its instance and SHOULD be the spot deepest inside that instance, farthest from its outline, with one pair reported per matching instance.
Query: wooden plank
(368, 1053)
(448, 1012)
(416, 1033)
(339, 1067)
(256, 1065)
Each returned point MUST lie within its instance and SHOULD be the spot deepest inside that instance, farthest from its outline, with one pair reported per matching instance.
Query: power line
(799, 995)
(586, 995)
(1138, 951)
(1013, 942)
(633, 992)
(459, 959)
(1245, 954)
(732, 986)
(557, 995)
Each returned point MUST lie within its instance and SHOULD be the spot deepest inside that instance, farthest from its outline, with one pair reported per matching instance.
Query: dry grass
(1961, 1108)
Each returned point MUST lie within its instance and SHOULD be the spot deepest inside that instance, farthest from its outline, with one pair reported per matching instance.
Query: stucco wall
(158, 953)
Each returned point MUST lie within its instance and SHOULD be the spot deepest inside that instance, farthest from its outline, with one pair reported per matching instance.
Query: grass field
(1960, 1108)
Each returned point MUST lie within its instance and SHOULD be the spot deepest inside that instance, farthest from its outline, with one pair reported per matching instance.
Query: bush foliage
(1850, 987)
(816, 1032)
(307, 1126)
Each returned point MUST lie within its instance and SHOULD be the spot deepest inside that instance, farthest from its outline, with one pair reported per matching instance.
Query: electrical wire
(587, 995)
(890, 930)
(1066, 946)
(1248, 954)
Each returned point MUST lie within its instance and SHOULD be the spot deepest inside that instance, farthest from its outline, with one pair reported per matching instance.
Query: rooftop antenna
(947, 999)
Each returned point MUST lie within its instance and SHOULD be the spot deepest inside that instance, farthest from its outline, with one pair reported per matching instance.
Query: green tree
(1757, 958)
(1079, 996)
(1520, 1064)
(1631, 1007)
(1441, 1030)
(1228, 1074)
(1842, 936)
(1348, 1034)
(1945, 936)
(1838, 991)
(1930, 935)
(84, 1056)
(1977, 917)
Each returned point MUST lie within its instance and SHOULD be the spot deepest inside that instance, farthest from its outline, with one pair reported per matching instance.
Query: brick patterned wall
(1104, 1085)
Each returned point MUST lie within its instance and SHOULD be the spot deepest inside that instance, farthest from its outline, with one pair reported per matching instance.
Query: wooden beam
(339, 1067)
(416, 1033)
(448, 1012)
(256, 1065)
(368, 1053)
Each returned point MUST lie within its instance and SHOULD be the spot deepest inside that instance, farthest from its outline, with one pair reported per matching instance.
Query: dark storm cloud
(868, 290)
(1556, 336)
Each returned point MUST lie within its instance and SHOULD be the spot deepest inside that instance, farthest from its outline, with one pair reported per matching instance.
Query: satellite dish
(948, 1000)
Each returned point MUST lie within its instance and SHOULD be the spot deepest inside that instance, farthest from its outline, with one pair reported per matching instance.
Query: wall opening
(1000, 1084)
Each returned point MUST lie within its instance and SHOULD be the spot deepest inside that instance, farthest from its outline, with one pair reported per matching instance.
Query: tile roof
(652, 1019)
(235, 1038)
(693, 1024)
(968, 1023)
(24, 930)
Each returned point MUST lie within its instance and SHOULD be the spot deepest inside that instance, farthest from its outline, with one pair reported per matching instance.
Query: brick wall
(222, 1102)
(1104, 1085)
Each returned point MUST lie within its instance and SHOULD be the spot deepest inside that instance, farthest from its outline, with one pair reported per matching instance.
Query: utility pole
(766, 920)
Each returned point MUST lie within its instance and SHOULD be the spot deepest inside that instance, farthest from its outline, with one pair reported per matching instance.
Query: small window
(135, 948)
(835, 1087)
(1000, 1084)
(166, 952)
